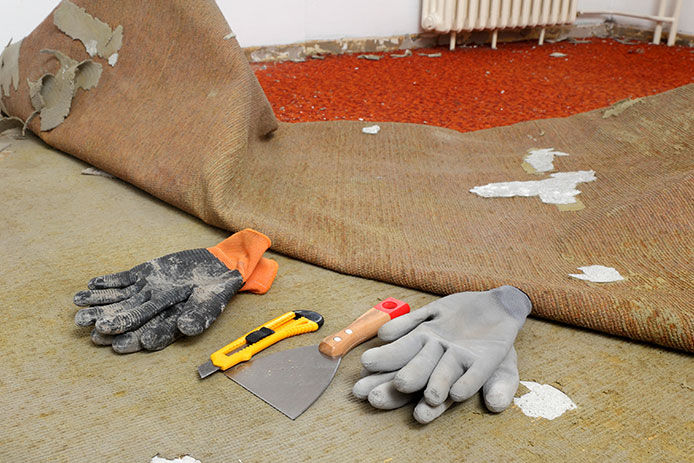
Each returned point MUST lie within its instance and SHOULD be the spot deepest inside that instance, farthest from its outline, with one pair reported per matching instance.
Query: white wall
(274, 22)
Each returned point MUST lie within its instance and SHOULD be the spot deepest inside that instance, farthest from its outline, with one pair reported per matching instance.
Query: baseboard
(316, 49)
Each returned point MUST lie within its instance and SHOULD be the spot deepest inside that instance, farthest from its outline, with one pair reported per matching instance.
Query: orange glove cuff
(262, 277)
(242, 251)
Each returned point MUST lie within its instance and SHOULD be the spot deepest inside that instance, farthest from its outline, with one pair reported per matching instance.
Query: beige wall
(272, 22)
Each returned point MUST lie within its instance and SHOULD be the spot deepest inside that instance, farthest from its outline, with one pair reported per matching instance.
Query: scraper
(293, 379)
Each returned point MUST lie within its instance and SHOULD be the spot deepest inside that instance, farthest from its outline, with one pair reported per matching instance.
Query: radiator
(453, 16)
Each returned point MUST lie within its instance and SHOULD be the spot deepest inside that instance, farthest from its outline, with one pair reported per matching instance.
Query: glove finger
(127, 343)
(366, 384)
(402, 325)
(386, 397)
(101, 339)
(162, 330)
(425, 413)
(131, 319)
(415, 375)
(113, 280)
(393, 356)
(499, 390)
(89, 316)
(446, 373)
(473, 379)
(204, 306)
(103, 296)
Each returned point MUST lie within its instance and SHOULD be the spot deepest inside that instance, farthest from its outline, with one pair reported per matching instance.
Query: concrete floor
(63, 399)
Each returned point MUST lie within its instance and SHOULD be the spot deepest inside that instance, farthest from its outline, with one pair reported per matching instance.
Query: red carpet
(474, 88)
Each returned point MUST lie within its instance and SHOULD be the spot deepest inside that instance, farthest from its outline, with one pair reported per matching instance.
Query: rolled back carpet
(178, 113)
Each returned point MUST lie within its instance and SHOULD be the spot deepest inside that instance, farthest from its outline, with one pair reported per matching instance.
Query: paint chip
(183, 459)
(598, 274)
(370, 57)
(557, 55)
(230, 35)
(559, 188)
(113, 59)
(541, 160)
(430, 55)
(372, 130)
(407, 53)
(543, 401)
(97, 37)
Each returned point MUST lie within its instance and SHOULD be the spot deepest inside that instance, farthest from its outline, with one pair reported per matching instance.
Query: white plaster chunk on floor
(184, 459)
(96, 172)
(543, 401)
(559, 188)
(372, 130)
(542, 160)
(113, 59)
(598, 274)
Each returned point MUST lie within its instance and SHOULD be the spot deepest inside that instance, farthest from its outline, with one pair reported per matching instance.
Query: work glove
(450, 349)
(152, 304)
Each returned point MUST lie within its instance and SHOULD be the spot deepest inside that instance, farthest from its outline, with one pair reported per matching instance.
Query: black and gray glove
(152, 304)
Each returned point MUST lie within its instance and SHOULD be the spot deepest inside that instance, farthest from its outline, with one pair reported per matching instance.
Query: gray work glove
(152, 304)
(450, 349)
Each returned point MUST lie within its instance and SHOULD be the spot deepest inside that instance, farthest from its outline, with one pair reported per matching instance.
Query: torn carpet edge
(97, 37)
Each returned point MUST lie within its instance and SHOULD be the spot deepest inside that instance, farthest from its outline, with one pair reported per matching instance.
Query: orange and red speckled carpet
(474, 87)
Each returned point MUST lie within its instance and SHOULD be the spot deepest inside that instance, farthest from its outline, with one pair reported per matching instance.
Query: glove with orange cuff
(152, 304)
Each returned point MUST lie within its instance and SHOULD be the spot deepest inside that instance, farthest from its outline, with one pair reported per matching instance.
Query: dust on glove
(449, 349)
(153, 303)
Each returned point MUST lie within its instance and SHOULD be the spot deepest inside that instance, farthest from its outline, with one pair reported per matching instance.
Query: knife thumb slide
(363, 328)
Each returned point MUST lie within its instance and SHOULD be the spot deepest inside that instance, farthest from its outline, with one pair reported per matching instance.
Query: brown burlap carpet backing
(182, 116)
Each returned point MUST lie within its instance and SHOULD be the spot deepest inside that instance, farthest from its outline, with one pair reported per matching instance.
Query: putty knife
(293, 379)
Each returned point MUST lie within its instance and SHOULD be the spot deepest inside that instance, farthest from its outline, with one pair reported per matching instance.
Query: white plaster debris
(557, 55)
(96, 172)
(559, 188)
(542, 160)
(184, 459)
(230, 35)
(113, 59)
(598, 274)
(543, 401)
(372, 130)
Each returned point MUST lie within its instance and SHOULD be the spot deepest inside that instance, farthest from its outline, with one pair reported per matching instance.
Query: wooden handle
(363, 328)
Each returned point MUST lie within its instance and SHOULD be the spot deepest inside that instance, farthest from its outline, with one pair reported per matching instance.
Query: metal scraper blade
(290, 380)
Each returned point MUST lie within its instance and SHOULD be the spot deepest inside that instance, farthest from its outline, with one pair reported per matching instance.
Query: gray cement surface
(63, 399)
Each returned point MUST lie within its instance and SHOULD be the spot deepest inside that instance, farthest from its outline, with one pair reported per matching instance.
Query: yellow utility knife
(282, 327)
